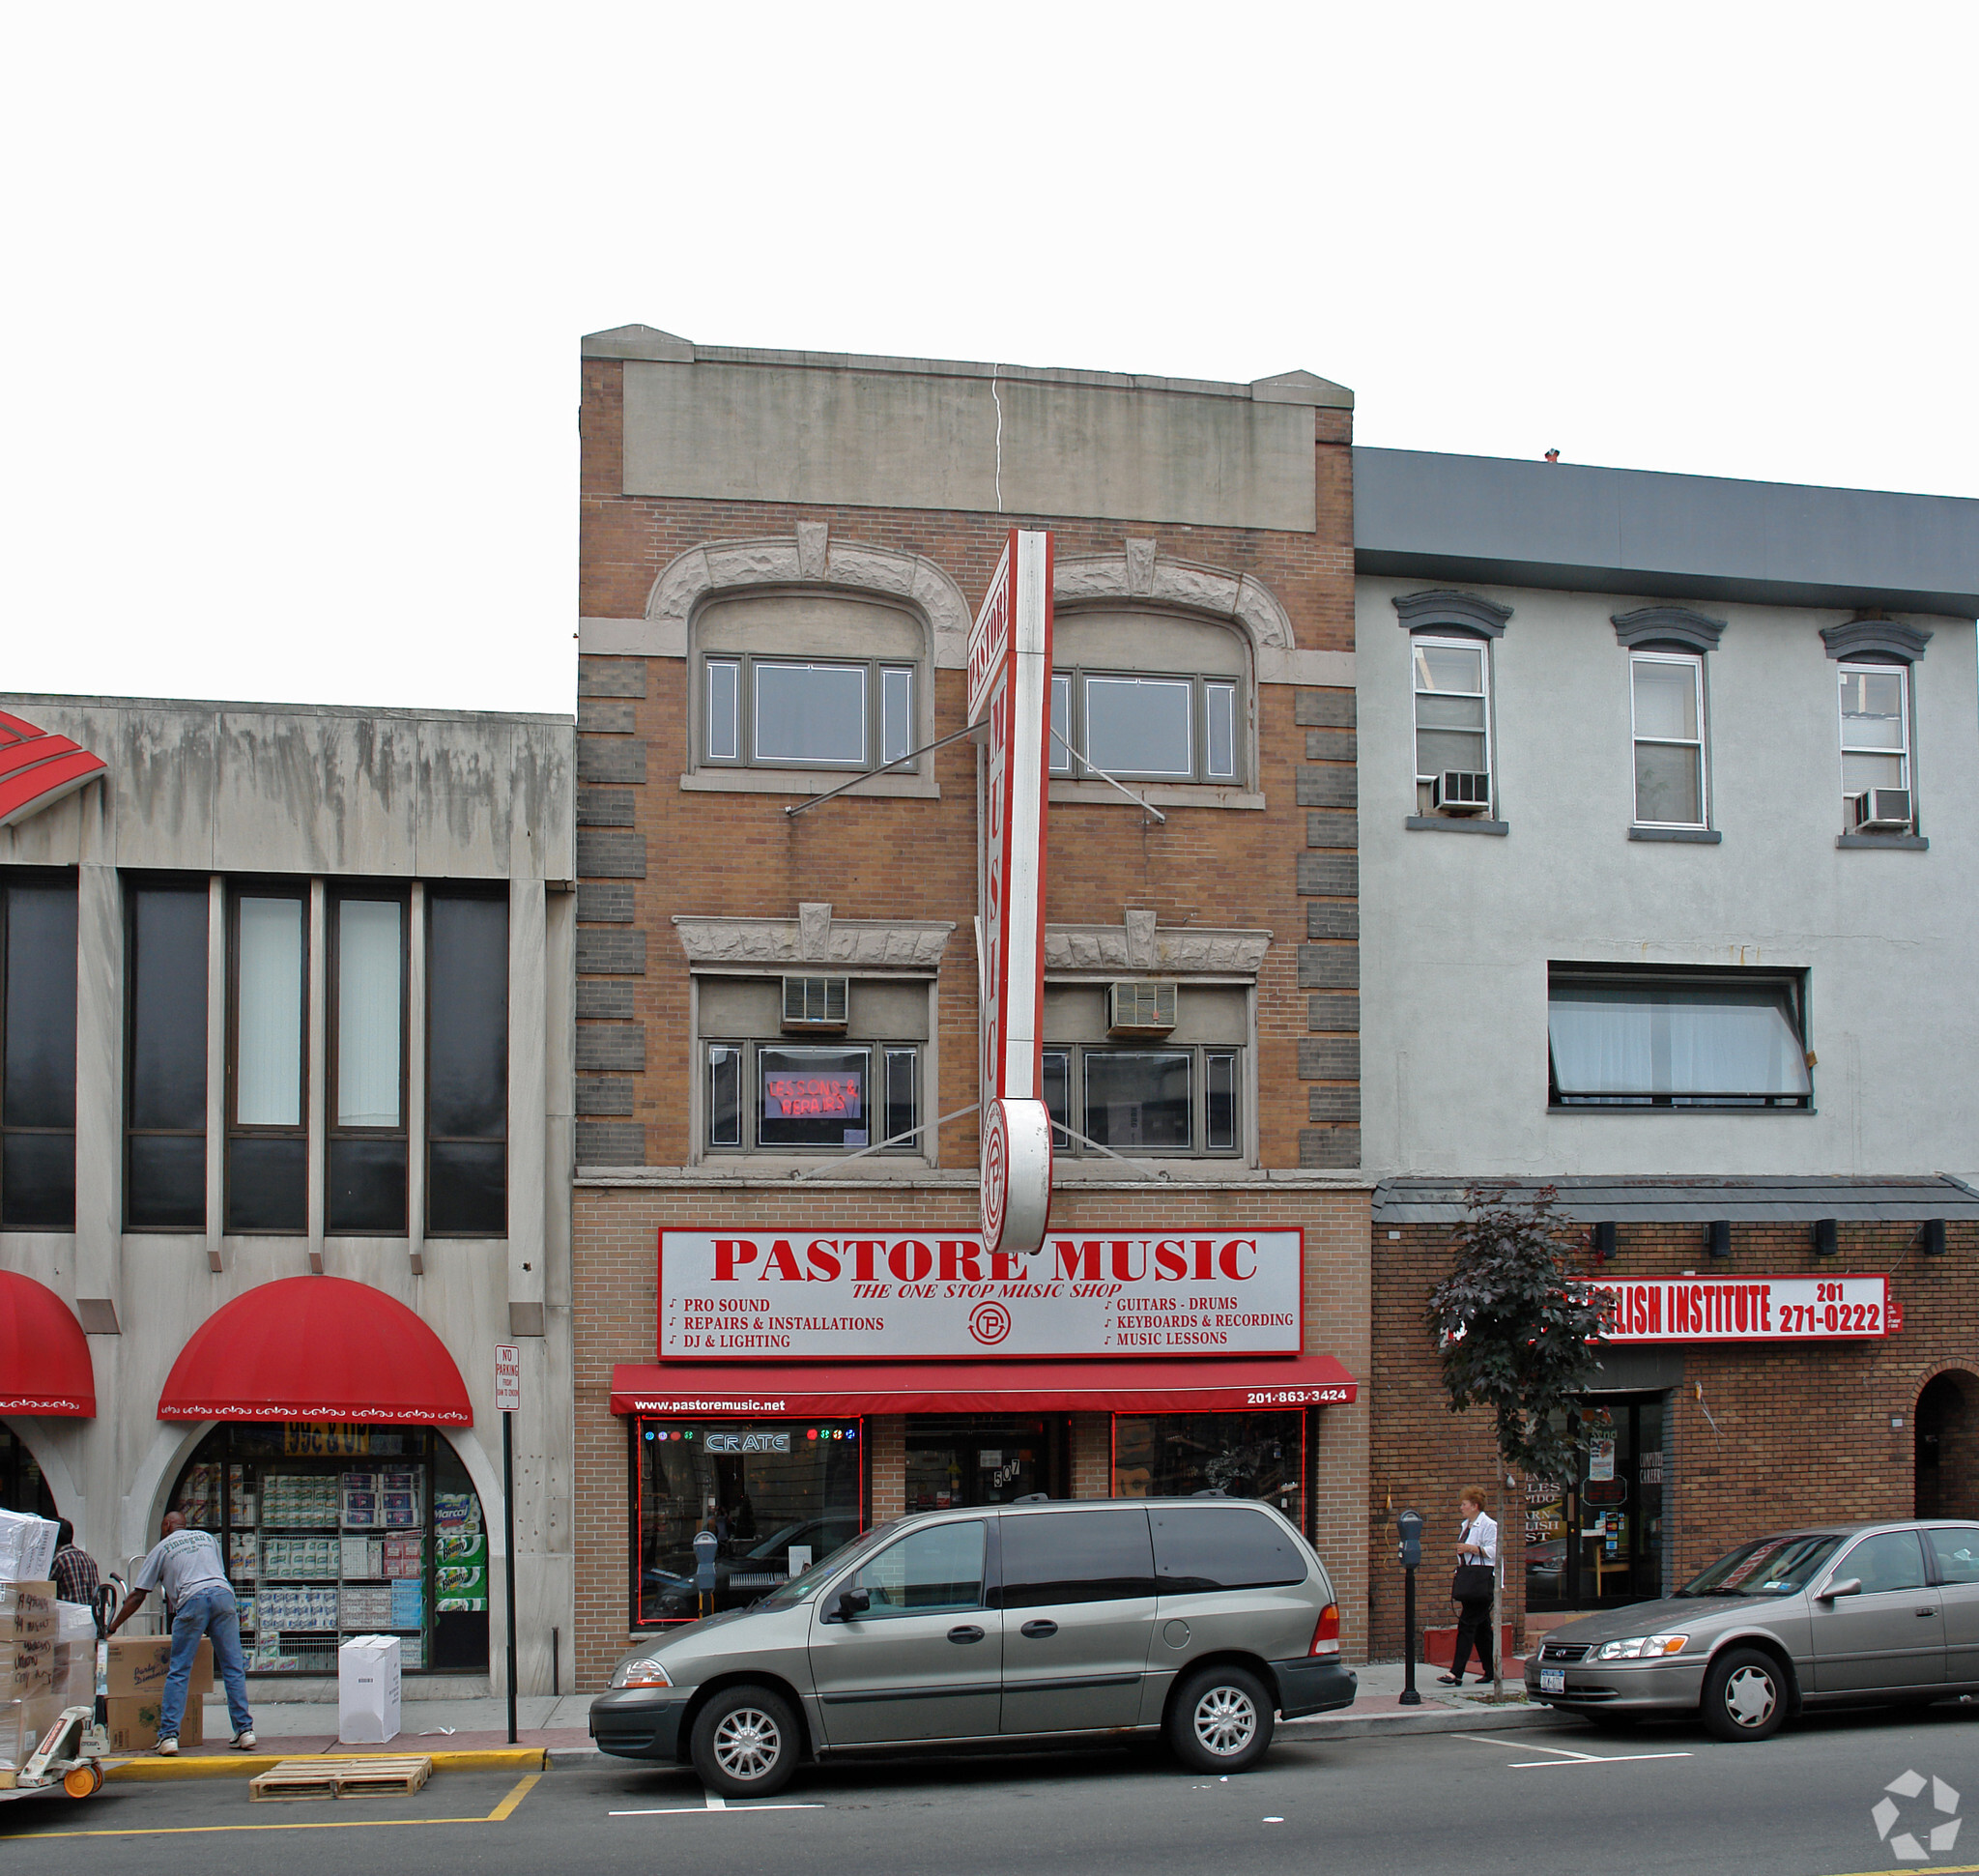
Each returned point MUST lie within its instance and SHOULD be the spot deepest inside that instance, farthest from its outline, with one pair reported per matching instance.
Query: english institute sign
(834, 1296)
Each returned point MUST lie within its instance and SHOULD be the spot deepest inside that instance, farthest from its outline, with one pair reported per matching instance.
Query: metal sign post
(508, 1399)
(1009, 690)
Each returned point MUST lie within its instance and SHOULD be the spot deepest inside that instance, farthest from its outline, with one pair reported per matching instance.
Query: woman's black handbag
(1474, 1582)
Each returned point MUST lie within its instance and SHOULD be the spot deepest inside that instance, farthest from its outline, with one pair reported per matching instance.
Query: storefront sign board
(1010, 691)
(795, 1296)
(1748, 1309)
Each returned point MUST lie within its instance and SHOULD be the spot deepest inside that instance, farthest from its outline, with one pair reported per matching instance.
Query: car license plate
(1553, 1679)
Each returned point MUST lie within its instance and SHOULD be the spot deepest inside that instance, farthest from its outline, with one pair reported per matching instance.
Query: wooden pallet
(381, 1777)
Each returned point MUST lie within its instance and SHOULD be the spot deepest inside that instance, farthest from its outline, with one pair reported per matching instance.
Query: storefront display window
(984, 1462)
(335, 1530)
(22, 1488)
(1600, 1540)
(775, 1497)
(1240, 1454)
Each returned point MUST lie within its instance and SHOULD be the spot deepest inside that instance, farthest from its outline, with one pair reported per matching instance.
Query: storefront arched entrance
(1947, 1441)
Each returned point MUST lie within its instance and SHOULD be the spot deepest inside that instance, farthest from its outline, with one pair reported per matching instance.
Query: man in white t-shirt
(199, 1600)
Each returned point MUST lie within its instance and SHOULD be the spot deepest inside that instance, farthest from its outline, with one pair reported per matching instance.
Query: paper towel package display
(367, 1690)
(27, 1548)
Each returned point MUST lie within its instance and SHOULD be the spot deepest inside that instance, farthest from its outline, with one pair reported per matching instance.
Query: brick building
(777, 862)
(1667, 876)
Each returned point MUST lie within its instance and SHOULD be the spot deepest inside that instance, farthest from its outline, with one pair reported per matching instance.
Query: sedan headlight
(1639, 1648)
(641, 1674)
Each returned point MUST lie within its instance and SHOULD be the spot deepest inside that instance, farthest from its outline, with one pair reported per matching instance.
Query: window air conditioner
(1882, 811)
(1138, 1007)
(814, 1004)
(1461, 790)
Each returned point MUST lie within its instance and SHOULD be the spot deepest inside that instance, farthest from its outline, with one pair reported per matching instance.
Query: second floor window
(1452, 723)
(365, 1189)
(1876, 731)
(38, 1054)
(1144, 1100)
(165, 1146)
(1145, 726)
(838, 713)
(1667, 711)
(268, 1135)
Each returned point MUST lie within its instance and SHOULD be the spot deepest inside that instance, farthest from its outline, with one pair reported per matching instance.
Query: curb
(249, 1765)
(1434, 1720)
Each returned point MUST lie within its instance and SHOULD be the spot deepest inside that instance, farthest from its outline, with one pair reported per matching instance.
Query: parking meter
(705, 1544)
(1409, 1527)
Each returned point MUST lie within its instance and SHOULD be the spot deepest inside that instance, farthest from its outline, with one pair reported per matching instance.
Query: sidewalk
(294, 1728)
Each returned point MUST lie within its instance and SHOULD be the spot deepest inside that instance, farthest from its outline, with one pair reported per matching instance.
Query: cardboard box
(27, 1548)
(367, 1690)
(133, 1722)
(22, 1723)
(139, 1663)
(27, 1611)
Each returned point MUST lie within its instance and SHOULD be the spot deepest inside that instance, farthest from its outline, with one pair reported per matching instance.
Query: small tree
(1516, 1326)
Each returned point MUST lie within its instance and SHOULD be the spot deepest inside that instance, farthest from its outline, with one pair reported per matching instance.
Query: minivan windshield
(1769, 1567)
(788, 1595)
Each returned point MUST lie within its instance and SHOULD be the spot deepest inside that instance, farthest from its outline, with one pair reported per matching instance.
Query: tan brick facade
(652, 849)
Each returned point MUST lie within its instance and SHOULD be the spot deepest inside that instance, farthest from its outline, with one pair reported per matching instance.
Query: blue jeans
(209, 1610)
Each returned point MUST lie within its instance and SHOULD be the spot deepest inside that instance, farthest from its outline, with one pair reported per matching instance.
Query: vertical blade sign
(1009, 686)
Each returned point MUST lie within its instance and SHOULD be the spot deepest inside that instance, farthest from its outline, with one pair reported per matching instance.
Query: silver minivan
(1197, 1618)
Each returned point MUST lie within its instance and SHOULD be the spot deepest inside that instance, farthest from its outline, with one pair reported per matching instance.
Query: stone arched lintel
(1141, 575)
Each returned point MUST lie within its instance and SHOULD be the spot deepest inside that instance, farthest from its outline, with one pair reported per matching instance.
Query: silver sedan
(1829, 1615)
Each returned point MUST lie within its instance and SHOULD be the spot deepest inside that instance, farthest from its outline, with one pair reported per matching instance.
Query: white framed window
(780, 1097)
(1667, 725)
(1876, 726)
(773, 712)
(1452, 683)
(1146, 726)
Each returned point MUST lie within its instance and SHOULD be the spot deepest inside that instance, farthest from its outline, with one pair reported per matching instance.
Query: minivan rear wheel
(1745, 1695)
(744, 1742)
(1221, 1719)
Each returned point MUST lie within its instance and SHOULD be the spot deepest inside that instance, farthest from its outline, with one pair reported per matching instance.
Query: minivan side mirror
(850, 1602)
(1847, 1586)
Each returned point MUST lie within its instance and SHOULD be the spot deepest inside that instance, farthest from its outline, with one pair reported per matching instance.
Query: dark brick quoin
(606, 854)
(1325, 709)
(605, 1001)
(610, 759)
(1329, 1059)
(1334, 876)
(604, 717)
(1332, 921)
(1324, 1148)
(610, 677)
(604, 807)
(1338, 1107)
(1330, 784)
(1328, 967)
(1324, 829)
(611, 954)
(610, 1142)
(1321, 746)
(610, 1045)
(603, 902)
(1321, 1011)
(604, 1094)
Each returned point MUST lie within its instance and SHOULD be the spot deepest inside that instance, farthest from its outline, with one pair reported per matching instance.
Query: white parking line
(1562, 1755)
(714, 1802)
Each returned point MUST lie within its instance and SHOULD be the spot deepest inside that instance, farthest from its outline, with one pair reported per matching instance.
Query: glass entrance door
(954, 1461)
(1598, 1538)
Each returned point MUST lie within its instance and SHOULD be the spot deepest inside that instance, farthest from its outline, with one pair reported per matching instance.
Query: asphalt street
(1662, 1800)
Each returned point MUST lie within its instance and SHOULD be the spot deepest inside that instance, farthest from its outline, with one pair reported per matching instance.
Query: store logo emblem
(989, 1323)
(1905, 1845)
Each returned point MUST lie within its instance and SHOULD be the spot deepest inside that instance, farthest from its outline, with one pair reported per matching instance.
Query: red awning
(44, 1365)
(37, 768)
(1216, 1385)
(316, 1348)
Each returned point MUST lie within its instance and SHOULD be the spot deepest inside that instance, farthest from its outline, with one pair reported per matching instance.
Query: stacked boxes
(137, 1668)
(29, 1629)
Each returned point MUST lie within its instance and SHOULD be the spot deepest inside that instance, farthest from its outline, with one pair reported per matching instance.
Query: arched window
(1152, 697)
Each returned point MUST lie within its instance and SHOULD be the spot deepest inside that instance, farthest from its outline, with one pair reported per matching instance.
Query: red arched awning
(44, 1365)
(316, 1348)
(37, 768)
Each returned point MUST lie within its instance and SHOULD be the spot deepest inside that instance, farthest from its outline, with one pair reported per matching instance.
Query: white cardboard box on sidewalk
(367, 1690)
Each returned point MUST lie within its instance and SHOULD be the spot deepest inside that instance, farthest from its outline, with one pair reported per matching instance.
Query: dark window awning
(800, 1390)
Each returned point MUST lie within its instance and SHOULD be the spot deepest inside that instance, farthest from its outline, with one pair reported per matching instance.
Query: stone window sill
(1904, 843)
(798, 782)
(1455, 824)
(1695, 836)
(1160, 794)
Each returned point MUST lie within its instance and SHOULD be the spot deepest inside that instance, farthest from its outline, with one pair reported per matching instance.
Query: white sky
(288, 339)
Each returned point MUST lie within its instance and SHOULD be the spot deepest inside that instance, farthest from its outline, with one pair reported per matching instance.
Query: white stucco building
(285, 1141)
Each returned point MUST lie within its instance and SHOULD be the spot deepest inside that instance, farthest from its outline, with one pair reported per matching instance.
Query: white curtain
(367, 1013)
(269, 1073)
(1707, 1041)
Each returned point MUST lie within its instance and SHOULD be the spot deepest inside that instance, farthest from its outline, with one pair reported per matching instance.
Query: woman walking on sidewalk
(1470, 1588)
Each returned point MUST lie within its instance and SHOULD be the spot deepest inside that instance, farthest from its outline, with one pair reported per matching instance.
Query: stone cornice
(1140, 946)
(815, 938)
